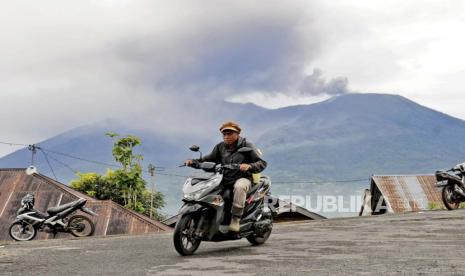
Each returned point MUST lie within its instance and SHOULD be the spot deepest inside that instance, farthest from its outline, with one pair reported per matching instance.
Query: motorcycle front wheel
(20, 231)
(184, 241)
(81, 226)
(449, 198)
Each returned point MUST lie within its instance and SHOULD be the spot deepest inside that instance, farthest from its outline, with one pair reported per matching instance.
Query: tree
(129, 177)
(98, 186)
(125, 185)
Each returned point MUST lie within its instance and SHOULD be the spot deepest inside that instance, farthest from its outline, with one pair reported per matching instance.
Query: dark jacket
(224, 154)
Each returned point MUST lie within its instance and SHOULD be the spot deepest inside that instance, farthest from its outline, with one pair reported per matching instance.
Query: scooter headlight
(195, 192)
(194, 196)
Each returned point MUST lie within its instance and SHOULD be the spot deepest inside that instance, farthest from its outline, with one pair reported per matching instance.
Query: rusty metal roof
(406, 193)
(112, 219)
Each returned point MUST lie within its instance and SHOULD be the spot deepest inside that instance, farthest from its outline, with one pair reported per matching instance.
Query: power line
(100, 163)
(64, 164)
(171, 174)
(72, 156)
(105, 164)
(13, 144)
(75, 157)
(48, 162)
(80, 158)
(92, 161)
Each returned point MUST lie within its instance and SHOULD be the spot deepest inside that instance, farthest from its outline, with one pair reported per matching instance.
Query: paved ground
(417, 243)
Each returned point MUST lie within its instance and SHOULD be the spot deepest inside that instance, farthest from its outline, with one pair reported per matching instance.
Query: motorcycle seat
(57, 209)
(41, 214)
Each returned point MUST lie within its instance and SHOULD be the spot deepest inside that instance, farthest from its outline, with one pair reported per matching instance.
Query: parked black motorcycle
(453, 186)
(206, 213)
(30, 220)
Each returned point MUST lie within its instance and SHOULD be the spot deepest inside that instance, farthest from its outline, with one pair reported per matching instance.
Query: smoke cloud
(157, 64)
(315, 84)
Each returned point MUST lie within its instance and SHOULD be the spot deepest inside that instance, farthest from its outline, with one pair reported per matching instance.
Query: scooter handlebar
(198, 165)
(232, 166)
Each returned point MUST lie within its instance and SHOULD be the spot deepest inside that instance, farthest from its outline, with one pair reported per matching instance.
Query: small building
(286, 212)
(112, 219)
(401, 194)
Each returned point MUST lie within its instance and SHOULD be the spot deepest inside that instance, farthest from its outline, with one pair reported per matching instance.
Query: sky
(68, 63)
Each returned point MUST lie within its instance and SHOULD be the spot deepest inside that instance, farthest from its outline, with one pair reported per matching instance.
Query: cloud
(164, 63)
(315, 84)
(154, 62)
(306, 89)
(222, 55)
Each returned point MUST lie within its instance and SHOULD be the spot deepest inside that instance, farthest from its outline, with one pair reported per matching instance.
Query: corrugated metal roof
(112, 219)
(406, 193)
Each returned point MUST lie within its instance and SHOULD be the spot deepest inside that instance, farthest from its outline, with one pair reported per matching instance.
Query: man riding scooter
(250, 163)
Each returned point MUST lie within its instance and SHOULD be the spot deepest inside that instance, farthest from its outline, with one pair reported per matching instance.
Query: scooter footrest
(224, 229)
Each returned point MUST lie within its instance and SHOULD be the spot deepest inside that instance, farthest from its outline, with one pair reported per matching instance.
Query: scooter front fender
(439, 184)
(194, 207)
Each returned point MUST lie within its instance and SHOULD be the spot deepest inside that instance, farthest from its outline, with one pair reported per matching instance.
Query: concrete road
(416, 243)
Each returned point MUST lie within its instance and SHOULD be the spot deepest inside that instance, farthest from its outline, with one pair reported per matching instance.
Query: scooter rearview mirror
(196, 148)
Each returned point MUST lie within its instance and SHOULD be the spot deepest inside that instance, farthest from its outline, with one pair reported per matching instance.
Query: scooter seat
(264, 180)
(254, 189)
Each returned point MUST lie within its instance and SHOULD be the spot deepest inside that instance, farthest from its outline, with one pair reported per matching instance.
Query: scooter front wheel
(449, 198)
(183, 238)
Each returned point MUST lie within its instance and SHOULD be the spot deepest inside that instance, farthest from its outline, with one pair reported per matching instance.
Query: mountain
(365, 134)
(355, 136)
(346, 137)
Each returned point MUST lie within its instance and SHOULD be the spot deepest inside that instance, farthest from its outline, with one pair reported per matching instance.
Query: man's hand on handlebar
(188, 162)
(245, 167)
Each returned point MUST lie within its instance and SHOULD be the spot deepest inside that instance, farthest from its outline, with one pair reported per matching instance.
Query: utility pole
(33, 148)
(152, 174)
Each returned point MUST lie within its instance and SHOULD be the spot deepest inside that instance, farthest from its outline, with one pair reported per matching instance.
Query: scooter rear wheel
(184, 242)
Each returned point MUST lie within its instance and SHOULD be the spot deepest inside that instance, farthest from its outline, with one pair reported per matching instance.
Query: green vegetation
(124, 185)
(436, 206)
